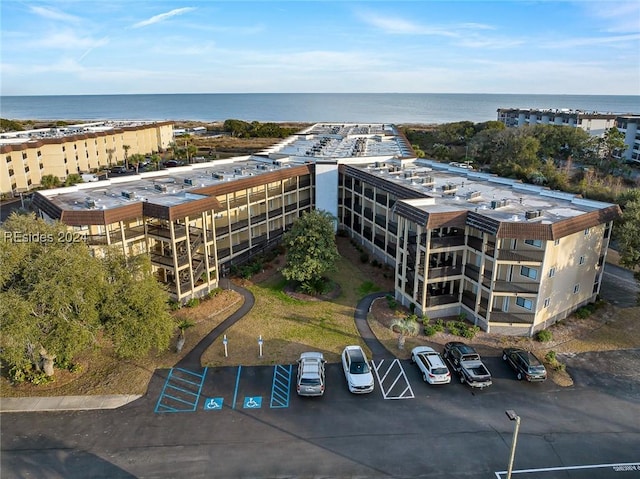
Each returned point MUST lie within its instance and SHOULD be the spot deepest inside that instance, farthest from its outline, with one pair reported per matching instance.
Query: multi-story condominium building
(27, 156)
(593, 123)
(628, 125)
(513, 257)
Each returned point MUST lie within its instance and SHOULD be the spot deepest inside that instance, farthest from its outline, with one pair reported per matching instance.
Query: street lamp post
(511, 414)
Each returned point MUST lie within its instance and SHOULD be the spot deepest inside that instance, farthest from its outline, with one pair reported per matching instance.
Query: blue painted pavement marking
(235, 392)
(213, 404)
(281, 387)
(252, 402)
(181, 391)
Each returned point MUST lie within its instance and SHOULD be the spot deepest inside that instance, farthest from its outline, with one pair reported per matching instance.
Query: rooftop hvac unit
(475, 195)
(188, 181)
(262, 167)
(446, 189)
(128, 195)
(532, 214)
(218, 176)
(90, 203)
(495, 204)
(428, 180)
(161, 188)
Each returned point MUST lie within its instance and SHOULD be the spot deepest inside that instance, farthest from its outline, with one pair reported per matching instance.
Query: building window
(24, 156)
(556, 242)
(524, 303)
(576, 288)
(581, 259)
(536, 243)
(529, 272)
(552, 272)
(547, 302)
(586, 232)
(11, 172)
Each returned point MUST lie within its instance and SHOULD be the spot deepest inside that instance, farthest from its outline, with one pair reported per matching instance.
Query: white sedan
(357, 370)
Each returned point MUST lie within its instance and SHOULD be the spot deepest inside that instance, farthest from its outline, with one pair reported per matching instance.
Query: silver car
(310, 374)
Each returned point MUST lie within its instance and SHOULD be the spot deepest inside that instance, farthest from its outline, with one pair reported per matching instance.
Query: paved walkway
(191, 360)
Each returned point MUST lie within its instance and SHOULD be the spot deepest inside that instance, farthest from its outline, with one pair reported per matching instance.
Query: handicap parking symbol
(252, 402)
(213, 403)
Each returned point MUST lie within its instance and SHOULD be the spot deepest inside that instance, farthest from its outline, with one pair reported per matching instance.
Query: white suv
(430, 363)
(357, 370)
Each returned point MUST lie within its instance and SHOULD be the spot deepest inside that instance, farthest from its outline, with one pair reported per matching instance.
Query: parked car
(357, 370)
(464, 360)
(310, 380)
(525, 364)
(430, 363)
(171, 164)
(119, 170)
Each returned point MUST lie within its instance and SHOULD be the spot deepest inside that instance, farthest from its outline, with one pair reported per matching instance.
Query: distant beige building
(27, 156)
(513, 257)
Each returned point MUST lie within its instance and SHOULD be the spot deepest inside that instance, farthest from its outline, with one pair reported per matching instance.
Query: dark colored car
(525, 364)
(171, 164)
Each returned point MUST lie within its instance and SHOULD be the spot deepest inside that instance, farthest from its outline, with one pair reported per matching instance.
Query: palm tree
(407, 326)
(182, 326)
(126, 158)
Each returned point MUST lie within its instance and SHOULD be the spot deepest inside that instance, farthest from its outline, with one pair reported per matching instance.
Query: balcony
(447, 241)
(501, 286)
(475, 243)
(472, 271)
(444, 272)
(238, 225)
(441, 299)
(520, 255)
(520, 318)
(469, 299)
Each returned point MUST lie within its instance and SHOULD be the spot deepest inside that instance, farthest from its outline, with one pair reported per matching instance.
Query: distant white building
(593, 123)
(629, 126)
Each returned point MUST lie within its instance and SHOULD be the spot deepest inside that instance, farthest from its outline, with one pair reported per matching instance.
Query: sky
(155, 46)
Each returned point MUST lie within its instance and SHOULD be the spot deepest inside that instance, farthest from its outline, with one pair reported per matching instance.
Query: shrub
(364, 257)
(192, 303)
(462, 316)
(551, 357)
(439, 326)
(429, 330)
(174, 305)
(391, 301)
(470, 332)
(214, 292)
(544, 336)
(374, 262)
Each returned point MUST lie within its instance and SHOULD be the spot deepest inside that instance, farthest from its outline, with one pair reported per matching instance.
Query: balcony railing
(447, 241)
(444, 272)
(522, 318)
(238, 225)
(520, 255)
(501, 286)
(441, 299)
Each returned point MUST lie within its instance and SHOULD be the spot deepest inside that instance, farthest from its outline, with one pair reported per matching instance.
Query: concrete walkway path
(190, 361)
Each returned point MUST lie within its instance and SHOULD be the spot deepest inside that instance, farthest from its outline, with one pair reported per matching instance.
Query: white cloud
(624, 40)
(65, 40)
(52, 14)
(162, 17)
(616, 16)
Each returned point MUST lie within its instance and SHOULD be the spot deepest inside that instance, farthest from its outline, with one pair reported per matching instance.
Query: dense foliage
(311, 249)
(243, 129)
(57, 299)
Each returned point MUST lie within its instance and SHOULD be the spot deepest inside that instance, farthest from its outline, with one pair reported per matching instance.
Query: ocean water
(400, 108)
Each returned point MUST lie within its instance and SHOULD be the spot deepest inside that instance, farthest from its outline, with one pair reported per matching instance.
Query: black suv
(525, 364)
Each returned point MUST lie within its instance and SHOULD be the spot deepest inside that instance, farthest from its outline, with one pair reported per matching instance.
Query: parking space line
(235, 392)
(380, 368)
(617, 467)
(181, 391)
(281, 386)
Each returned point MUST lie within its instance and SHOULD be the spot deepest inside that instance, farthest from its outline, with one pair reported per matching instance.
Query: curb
(66, 403)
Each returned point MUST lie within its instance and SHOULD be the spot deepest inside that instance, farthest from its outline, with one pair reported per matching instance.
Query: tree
(57, 299)
(73, 179)
(126, 149)
(407, 326)
(628, 238)
(110, 152)
(134, 312)
(135, 160)
(311, 250)
(50, 293)
(50, 181)
(155, 159)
